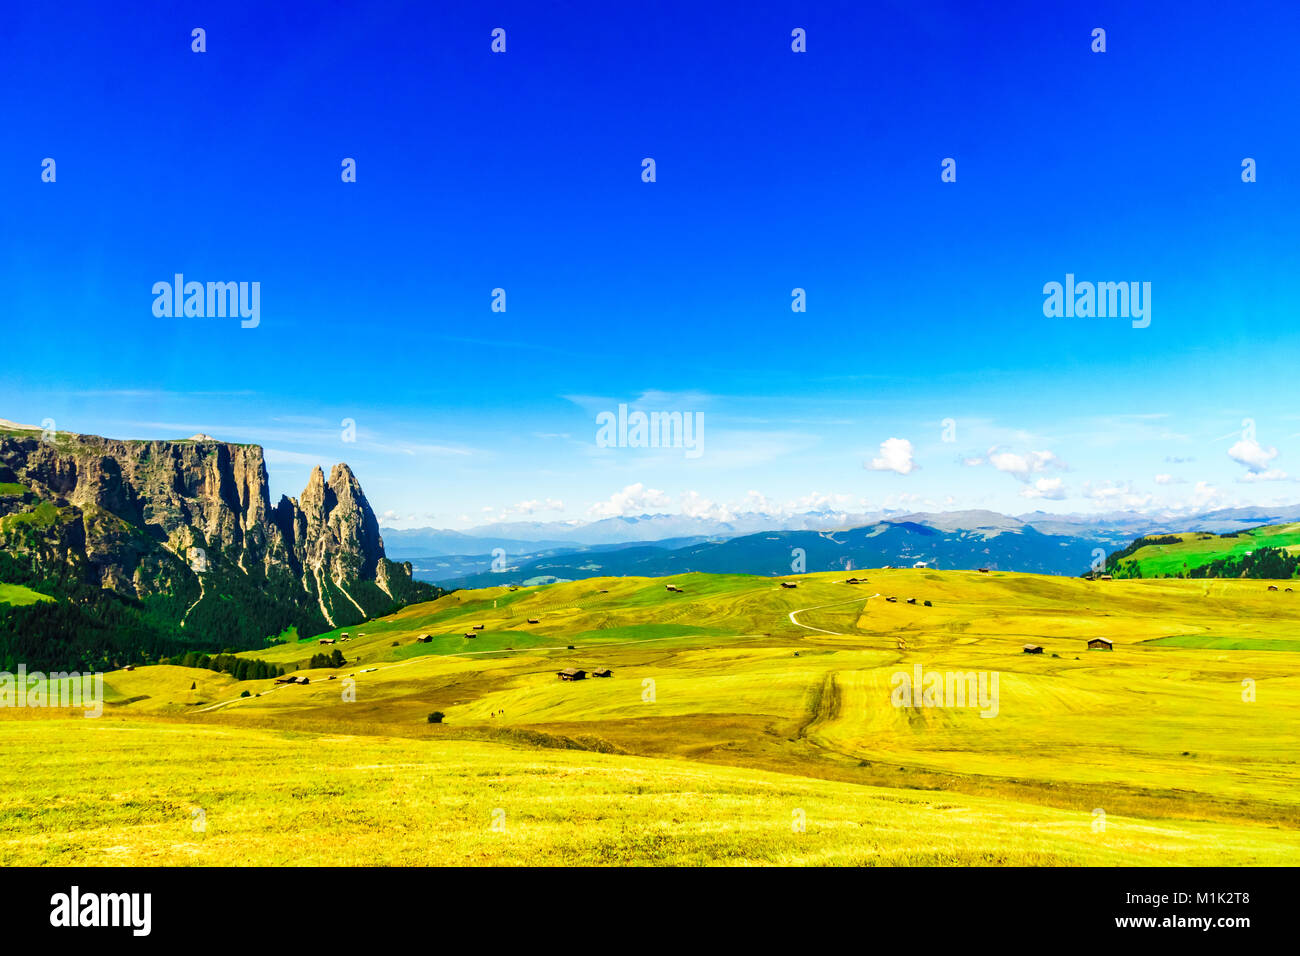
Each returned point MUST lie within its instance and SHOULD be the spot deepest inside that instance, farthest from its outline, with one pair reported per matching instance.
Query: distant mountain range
(537, 552)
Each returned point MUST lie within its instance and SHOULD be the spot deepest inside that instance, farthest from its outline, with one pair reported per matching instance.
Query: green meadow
(1194, 549)
(742, 723)
(18, 596)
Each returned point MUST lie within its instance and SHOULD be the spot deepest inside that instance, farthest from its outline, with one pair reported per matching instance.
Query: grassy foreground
(734, 705)
(113, 792)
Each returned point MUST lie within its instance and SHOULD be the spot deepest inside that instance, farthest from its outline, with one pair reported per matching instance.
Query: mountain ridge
(184, 535)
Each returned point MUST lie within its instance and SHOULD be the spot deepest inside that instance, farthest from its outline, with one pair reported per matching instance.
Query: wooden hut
(1033, 649)
(571, 673)
(1100, 644)
(602, 672)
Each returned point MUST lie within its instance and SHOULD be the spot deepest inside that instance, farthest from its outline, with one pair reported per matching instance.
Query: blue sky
(775, 170)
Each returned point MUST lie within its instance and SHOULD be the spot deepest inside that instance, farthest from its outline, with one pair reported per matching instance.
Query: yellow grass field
(744, 723)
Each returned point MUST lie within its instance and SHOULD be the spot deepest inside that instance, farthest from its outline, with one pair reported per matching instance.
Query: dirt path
(817, 607)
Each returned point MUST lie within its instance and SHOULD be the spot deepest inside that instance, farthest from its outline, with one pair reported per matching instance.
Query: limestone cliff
(186, 528)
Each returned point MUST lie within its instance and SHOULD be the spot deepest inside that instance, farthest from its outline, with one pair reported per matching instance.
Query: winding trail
(817, 607)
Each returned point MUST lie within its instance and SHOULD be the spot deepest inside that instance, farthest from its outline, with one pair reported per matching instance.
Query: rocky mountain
(181, 538)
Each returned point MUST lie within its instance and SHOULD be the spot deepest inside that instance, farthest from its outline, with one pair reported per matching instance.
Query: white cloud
(695, 505)
(895, 455)
(531, 507)
(1252, 454)
(635, 499)
(1117, 494)
(1170, 480)
(1022, 466)
(819, 502)
(901, 500)
(1256, 458)
(1052, 488)
(1272, 474)
(1204, 495)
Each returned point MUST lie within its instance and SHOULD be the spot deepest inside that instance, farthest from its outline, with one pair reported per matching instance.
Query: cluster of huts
(341, 639)
(1094, 644)
(577, 673)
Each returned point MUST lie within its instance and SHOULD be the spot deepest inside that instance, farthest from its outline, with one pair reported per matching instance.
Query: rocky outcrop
(187, 528)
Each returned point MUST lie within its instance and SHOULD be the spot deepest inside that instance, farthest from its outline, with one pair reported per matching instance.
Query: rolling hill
(735, 705)
(1272, 551)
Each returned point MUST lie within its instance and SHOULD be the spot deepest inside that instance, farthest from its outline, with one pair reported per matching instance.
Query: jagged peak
(342, 478)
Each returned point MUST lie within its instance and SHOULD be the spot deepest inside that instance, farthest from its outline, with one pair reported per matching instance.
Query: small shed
(571, 673)
(1272, 587)
(326, 640)
(1100, 644)
(789, 584)
(911, 600)
(425, 639)
(533, 620)
(471, 635)
(983, 570)
(478, 627)
(602, 672)
(1033, 649)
